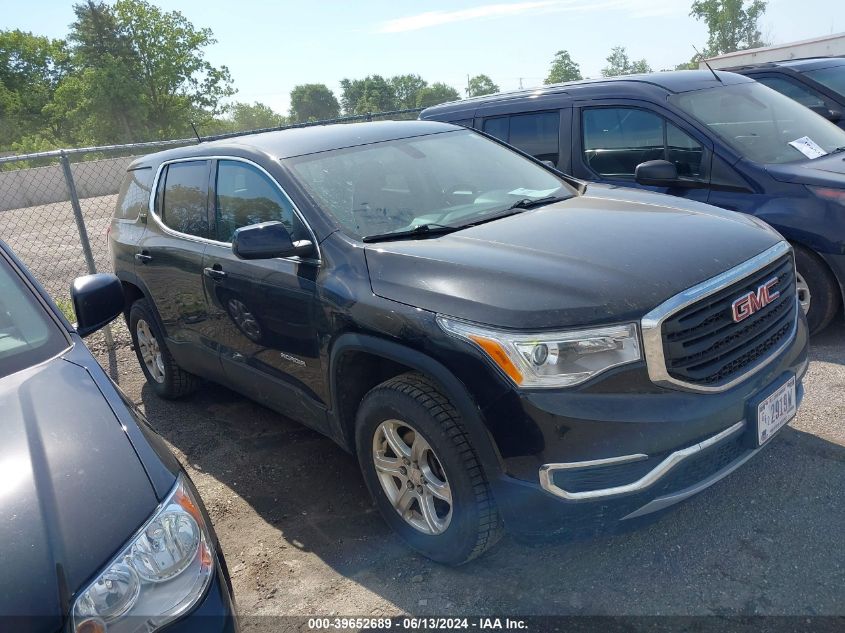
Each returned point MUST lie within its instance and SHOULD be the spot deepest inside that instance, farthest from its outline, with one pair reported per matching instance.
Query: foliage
(255, 116)
(313, 102)
(481, 85)
(371, 94)
(563, 69)
(620, 64)
(436, 93)
(733, 25)
(405, 90)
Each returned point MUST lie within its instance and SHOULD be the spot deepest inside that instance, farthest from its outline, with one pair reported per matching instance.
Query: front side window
(537, 133)
(832, 77)
(246, 196)
(28, 335)
(184, 201)
(760, 123)
(616, 140)
(448, 179)
(792, 89)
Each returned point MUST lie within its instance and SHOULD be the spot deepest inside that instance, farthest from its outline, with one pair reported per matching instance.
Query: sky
(270, 47)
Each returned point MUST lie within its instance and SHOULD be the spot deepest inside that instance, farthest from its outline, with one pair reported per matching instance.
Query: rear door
(169, 262)
(263, 311)
(612, 137)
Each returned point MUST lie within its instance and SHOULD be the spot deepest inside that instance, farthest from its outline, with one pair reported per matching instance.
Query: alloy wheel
(150, 351)
(803, 290)
(244, 319)
(412, 477)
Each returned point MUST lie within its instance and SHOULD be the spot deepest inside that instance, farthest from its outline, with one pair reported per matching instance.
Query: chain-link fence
(55, 206)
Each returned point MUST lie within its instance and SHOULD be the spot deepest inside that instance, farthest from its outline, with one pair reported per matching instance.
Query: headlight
(158, 576)
(551, 359)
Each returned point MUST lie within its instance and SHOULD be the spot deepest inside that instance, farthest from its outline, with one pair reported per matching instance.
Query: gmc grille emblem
(748, 304)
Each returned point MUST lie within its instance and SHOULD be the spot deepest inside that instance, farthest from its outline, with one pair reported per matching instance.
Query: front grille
(702, 345)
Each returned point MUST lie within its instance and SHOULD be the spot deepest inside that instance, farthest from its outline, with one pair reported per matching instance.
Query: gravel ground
(302, 538)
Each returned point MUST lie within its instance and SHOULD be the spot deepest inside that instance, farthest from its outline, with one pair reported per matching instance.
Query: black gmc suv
(496, 342)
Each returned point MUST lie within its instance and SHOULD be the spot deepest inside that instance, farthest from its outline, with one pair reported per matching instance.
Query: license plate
(775, 411)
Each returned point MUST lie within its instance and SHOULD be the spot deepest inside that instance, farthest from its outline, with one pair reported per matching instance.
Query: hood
(610, 255)
(72, 490)
(827, 171)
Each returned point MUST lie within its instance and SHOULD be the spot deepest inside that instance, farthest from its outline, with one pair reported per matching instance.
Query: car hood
(827, 171)
(72, 490)
(609, 255)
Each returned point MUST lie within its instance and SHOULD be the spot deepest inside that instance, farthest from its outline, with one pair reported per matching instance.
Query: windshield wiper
(838, 150)
(423, 230)
(533, 203)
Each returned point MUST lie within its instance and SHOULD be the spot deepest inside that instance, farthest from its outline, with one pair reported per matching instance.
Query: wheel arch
(133, 290)
(375, 360)
(840, 281)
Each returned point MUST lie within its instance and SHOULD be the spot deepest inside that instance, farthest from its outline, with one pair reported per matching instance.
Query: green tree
(405, 90)
(481, 85)
(371, 94)
(255, 116)
(618, 63)
(313, 102)
(733, 25)
(179, 84)
(436, 93)
(563, 69)
(31, 68)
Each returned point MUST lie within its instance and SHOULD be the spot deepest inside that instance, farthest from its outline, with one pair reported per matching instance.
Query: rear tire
(167, 379)
(411, 409)
(821, 290)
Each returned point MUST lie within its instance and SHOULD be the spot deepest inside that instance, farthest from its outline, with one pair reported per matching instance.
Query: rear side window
(802, 94)
(246, 196)
(616, 140)
(184, 202)
(537, 133)
(134, 193)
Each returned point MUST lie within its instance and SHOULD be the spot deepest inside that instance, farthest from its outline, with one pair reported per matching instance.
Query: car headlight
(551, 359)
(158, 576)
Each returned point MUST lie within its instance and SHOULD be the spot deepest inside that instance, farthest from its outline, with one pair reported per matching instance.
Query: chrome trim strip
(652, 323)
(671, 499)
(202, 240)
(651, 477)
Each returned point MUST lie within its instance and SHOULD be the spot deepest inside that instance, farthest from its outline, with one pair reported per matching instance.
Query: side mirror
(831, 115)
(659, 173)
(549, 163)
(97, 300)
(267, 241)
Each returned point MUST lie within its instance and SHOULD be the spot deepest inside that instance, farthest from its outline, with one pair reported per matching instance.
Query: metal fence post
(80, 227)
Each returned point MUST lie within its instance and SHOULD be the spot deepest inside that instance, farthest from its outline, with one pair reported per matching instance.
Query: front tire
(167, 379)
(422, 471)
(818, 292)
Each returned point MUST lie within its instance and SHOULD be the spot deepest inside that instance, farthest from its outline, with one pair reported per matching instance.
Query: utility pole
(520, 83)
(467, 84)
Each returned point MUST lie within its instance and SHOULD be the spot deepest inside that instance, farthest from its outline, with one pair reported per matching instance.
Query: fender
(132, 278)
(453, 389)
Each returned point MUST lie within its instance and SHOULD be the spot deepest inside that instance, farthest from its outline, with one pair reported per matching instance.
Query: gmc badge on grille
(750, 303)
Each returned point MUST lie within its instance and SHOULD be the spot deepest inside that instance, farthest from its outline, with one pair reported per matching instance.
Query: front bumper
(215, 613)
(635, 453)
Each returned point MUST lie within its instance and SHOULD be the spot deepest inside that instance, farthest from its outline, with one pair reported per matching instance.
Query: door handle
(214, 273)
(143, 257)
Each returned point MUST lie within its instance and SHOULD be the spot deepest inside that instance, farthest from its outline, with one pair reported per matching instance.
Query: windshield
(833, 77)
(27, 333)
(448, 179)
(762, 124)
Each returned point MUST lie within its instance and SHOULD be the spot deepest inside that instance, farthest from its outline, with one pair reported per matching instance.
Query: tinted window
(833, 77)
(616, 140)
(498, 127)
(134, 194)
(245, 196)
(802, 94)
(27, 333)
(451, 178)
(185, 198)
(536, 134)
(759, 122)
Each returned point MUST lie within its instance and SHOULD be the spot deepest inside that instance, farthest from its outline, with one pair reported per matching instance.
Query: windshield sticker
(808, 147)
(532, 193)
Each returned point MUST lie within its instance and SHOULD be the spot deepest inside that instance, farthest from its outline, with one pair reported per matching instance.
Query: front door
(263, 311)
(613, 138)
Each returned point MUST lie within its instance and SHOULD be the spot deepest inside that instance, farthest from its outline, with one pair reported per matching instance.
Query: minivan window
(536, 133)
(832, 77)
(134, 195)
(617, 139)
(792, 89)
(184, 204)
(759, 122)
(246, 196)
(28, 335)
(450, 178)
